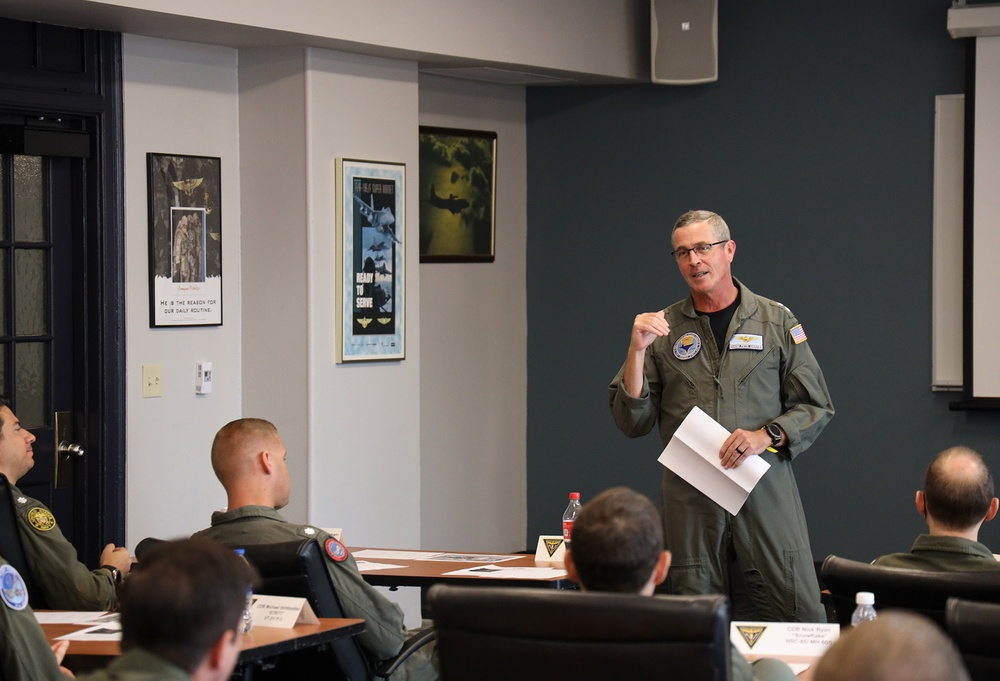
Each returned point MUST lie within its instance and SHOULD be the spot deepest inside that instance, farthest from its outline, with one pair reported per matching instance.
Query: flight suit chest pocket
(752, 366)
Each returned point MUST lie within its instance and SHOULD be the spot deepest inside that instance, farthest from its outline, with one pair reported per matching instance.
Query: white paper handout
(693, 454)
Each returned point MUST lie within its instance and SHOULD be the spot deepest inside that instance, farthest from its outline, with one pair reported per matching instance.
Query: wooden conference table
(260, 644)
(415, 571)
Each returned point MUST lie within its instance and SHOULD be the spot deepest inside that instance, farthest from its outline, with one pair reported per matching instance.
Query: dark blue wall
(816, 146)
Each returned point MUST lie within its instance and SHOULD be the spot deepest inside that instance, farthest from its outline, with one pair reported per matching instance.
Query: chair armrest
(415, 642)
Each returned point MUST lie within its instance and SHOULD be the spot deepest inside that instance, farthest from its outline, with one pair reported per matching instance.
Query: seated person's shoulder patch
(41, 518)
(336, 550)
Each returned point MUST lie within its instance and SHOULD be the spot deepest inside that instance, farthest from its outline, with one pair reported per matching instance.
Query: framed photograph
(185, 240)
(457, 190)
(370, 270)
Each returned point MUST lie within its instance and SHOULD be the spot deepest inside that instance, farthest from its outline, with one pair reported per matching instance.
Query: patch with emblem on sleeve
(687, 346)
(41, 519)
(13, 592)
(336, 550)
(798, 334)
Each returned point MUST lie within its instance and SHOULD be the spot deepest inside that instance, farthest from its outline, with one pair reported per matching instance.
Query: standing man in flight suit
(744, 360)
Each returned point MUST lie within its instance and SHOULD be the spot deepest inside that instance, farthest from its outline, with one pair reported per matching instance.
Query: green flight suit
(760, 557)
(65, 582)
(25, 654)
(384, 629)
(138, 665)
(943, 554)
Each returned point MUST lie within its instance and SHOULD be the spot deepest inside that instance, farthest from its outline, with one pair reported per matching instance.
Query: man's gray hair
(719, 227)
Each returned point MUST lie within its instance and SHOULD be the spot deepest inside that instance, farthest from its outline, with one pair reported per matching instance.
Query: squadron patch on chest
(41, 519)
(336, 550)
(687, 346)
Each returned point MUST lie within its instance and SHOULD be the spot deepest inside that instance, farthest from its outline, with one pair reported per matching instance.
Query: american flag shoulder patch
(798, 334)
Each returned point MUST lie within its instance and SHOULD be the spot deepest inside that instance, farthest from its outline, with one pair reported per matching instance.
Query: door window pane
(31, 273)
(32, 361)
(4, 327)
(28, 205)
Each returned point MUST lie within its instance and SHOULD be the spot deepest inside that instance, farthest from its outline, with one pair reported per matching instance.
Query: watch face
(774, 432)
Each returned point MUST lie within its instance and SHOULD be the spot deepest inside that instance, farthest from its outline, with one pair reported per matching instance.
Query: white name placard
(809, 639)
(281, 612)
(550, 551)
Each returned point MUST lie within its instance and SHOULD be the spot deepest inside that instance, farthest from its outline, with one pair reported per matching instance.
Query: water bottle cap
(574, 495)
(865, 598)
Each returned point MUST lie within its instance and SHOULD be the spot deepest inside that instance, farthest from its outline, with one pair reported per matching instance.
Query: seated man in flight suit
(65, 582)
(182, 614)
(617, 546)
(25, 654)
(249, 460)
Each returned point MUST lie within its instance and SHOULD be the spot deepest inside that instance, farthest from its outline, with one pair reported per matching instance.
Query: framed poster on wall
(185, 240)
(371, 266)
(457, 195)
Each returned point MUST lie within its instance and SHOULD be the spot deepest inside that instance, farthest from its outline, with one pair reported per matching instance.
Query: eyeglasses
(701, 250)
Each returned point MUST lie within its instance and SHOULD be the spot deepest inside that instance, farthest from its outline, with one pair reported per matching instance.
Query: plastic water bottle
(865, 609)
(570, 514)
(247, 609)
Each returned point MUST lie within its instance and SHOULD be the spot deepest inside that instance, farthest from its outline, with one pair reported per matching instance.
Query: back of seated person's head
(235, 444)
(616, 541)
(185, 595)
(897, 646)
(958, 488)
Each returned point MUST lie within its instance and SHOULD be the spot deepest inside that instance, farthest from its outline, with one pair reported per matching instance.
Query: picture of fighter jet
(382, 269)
(380, 246)
(453, 203)
(382, 219)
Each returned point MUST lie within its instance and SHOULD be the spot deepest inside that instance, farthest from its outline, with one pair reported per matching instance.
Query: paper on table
(369, 566)
(693, 454)
(498, 572)
(112, 631)
(385, 554)
(74, 616)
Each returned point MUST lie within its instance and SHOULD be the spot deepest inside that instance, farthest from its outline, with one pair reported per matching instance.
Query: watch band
(774, 431)
(116, 574)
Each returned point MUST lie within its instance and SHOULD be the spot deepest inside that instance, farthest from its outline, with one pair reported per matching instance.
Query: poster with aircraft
(370, 276)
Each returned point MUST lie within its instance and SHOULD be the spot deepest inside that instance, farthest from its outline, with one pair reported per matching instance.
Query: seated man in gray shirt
(249, 460)
(956, 500)
(617, 545)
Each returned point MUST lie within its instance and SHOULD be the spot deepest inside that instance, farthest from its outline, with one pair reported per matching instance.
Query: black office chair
(975, 629)
(503, 633)
(297, 569)
(917, 590)
(11, 547)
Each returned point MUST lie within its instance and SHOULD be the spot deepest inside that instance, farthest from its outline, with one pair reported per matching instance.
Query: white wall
(473, 384)
(178, 98)
(386, 450)
(605, 37)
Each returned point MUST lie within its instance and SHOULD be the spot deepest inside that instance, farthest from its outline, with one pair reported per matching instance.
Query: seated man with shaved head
(249, 460)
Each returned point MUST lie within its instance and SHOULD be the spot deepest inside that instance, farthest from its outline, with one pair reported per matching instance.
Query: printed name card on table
(550, 551)
(282, 612)
(808, 639)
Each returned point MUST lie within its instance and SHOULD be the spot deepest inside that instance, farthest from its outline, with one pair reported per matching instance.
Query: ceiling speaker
(685, 41)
